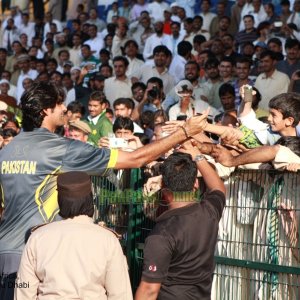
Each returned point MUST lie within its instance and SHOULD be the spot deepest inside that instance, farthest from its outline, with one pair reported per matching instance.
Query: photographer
(153, 98)
(185, 108)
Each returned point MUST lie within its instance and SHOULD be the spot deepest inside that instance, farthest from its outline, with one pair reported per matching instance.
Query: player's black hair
(38, 97)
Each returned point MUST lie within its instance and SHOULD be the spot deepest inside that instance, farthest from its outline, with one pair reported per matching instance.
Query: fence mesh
(257, 253)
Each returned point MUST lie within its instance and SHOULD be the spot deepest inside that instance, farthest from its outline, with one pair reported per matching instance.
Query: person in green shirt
(97, 120)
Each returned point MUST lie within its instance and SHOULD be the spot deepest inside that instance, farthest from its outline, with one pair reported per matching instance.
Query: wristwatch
(199, 157)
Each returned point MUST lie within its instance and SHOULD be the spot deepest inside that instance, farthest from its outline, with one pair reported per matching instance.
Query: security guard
(73, 258)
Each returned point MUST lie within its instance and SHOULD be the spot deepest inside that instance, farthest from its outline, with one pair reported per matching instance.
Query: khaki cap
(84, 127)
(23, 57)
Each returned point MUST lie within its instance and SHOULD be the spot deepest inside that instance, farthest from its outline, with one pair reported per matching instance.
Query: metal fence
(257, 254)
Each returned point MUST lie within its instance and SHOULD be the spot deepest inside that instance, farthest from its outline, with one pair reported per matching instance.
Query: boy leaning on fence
(179, 253)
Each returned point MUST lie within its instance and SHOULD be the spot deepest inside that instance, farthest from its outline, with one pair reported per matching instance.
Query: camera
(91, 67)
(117, 142)
(153, 94)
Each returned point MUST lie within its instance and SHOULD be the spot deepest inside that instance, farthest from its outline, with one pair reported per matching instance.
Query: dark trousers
(38, 9)
(9, 265)
(5, 5)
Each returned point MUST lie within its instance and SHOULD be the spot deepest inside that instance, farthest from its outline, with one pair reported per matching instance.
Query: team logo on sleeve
(152, 268)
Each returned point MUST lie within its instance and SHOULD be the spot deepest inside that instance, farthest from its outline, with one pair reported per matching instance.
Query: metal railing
(257, 254)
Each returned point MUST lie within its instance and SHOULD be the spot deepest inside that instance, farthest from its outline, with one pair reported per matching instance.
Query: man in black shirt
(179, 253)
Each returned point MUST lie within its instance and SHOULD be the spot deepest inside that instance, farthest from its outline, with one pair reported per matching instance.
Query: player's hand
(171, 126)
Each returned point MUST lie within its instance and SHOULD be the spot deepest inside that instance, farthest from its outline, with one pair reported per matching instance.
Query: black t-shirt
(179, 252)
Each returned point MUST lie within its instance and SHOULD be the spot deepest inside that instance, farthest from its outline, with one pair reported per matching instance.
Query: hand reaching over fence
(152, 185)
(293, 167)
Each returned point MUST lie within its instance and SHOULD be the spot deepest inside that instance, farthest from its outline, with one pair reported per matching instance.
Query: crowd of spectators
(131, 59)
(135, 71)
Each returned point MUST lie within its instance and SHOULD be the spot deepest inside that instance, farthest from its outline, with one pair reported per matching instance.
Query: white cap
(75, 69)
(174, 4)
(184, 87)
(4, 81)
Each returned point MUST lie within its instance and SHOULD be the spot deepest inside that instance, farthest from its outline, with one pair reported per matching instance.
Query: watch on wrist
(199, 157)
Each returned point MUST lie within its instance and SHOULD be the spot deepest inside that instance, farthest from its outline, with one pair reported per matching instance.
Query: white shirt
(31, 74)
(12, 91)
(175, 111)
(188, 6)
(114, 89)
(153, 41)
(201, 105)
(134, 65)
(260, 129)
(207, 18)
(259, 17)
(29, 30)
(71, 96)
(137, 128)
(270, 87)
(96, 45)
(294, 18)
(47, 27)
(75, 56)
(156, 10)
(284, 157)
(117, 44)
(177, 68)
(17, 21)
(94, 120)
(175, 42)
(147, 71)
(10, 36)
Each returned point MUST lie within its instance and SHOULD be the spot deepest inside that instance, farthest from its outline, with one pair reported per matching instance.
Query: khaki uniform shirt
(73, 259)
